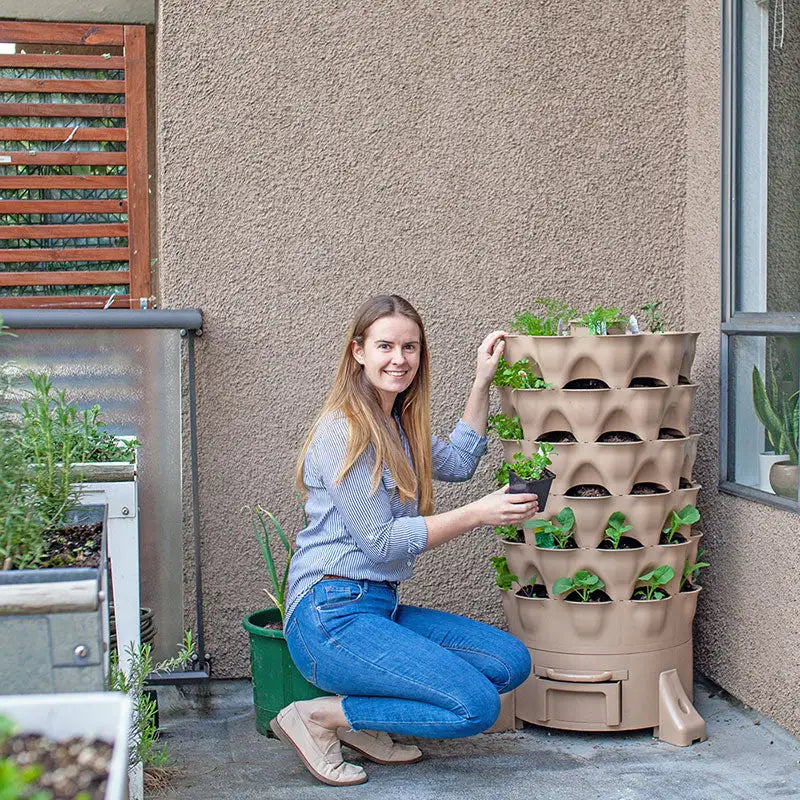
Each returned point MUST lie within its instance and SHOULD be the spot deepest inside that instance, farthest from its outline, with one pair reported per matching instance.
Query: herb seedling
(509, 533)
(556, 532)
(616, 527)
(555, 313)
(688, 515)
(506, 427)
(501, 475)
(504, 577)
(691, 571)
(531, 469)
(656, 578)
(585, 583)
(653, 316)
(518, 375)
(600, 319)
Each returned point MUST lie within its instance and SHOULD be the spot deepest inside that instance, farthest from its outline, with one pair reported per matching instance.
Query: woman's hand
(503, 508)
(489, 353)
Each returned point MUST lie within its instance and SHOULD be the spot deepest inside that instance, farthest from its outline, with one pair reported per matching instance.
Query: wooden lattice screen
(74, 206)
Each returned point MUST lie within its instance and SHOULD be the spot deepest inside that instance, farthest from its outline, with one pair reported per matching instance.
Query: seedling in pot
(504, 577)
(556, 532)
(616, 528)
(533, 468)
(556, 315)
(688, 515)
(532, 589)
(509, 533)
(600, 319)
(691, 571)
(518, 375)
(583, 583)
(653, 316)
(507, 428)
(654, 580)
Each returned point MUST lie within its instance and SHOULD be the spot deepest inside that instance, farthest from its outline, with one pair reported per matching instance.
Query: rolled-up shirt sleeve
(457, 459)
(367, 514)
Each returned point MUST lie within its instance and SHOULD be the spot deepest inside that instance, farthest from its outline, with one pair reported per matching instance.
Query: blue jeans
(403, 669)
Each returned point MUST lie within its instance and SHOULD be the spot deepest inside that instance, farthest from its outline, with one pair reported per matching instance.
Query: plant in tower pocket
(518, 375)
(688, 515)
(510, 533)
(557, 532)
(654, 580)
(653, 317)
(691, 571)
(505, 579)
(583, 587)
(616, 530)
(556, 314)
(600, 320)
(507, 428)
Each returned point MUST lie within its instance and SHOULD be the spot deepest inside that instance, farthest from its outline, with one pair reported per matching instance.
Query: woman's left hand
(489, 353)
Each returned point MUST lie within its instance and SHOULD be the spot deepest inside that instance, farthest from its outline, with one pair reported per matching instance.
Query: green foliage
(509, 533)
(656, 578)
(504, 577)
(517, 375)
(144, 745)
(506, 427)
(779, 414)
(501, 475)
(653, 316)
(691, 571)
(531, 469)
(616, 528)
(688, 515)
(545, 324)
(556, 532)
(585, 583)
(599, 319)
(16, 781)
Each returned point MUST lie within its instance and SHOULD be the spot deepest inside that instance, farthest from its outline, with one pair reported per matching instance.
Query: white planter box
(98, 715)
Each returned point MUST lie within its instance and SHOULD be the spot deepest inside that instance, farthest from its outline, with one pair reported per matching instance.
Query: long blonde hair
(353, 395)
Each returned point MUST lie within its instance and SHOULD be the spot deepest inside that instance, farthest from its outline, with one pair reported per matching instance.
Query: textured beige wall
(470, 156)
(142, 11)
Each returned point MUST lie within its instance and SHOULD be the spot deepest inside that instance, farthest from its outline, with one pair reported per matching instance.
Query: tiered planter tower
(622, 664)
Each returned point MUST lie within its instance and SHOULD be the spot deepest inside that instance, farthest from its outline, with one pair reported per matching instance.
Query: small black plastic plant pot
(539, 487)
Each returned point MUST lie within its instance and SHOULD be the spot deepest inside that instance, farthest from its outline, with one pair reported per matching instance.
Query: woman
(366, 467)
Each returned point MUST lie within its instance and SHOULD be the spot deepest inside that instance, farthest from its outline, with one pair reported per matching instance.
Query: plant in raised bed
(584, 585)
(555, 532)
(688, 515)
(507, 428)
(653, 317)
(616, 529)
(556, 314)
(518, 375)
(509, 533)
(654, 580)
(691, 571)
(600, 319)
(503, 575)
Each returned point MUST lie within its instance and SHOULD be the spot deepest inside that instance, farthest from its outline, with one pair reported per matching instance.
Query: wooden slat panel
(63, 181)
(83, 134)
(60, 33)
(82, 301)
(25, 254)
(62, 158)
(137, 172)
(91, 231)
(62, 110)
(61, 86)
(26, 60)
(63, 206)
(76, 278)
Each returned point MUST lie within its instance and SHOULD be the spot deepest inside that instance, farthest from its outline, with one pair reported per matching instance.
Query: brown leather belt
(336, 577)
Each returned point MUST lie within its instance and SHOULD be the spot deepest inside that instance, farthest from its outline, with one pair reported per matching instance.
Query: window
(761, 252)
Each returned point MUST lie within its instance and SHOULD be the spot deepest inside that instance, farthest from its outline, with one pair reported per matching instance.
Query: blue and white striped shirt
(354, 532)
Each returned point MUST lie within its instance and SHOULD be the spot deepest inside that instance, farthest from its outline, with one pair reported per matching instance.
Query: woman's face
(390, 356)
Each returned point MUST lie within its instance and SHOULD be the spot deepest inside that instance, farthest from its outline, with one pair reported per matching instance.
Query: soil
(625, 543)
(648, 488)
(670, 433)
(586, 383)
(273, 626)
(73, 546)
(645, 383)
(557, 437)
(618, 437)
(69, 767)
(641, 594)
(533, 591)
(684, 484)
(588, 490)
(594, 597)
(683, 380)
(570, 544)
(676, 539)
(689, 587)
(518, 539)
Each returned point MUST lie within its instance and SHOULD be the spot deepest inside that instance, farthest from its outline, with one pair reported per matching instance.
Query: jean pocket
(337, 594)
(298, 650)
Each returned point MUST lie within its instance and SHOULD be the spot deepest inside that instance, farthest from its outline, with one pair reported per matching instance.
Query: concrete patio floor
(211, 736)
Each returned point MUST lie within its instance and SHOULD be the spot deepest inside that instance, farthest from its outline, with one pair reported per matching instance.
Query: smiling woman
(366, 470)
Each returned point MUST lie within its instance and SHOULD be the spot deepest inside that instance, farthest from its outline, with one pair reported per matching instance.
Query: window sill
(757, 496)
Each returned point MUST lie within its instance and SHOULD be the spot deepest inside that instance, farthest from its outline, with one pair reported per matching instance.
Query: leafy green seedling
(504, 577)
(656, 578)
(600, 319)
(585, 583)
(501, 475)
(531, 469)
(688, 515)
(533, 324)
(518, 375)
(653, 316)
(506, 427)
(556, 532)
(510, 533)
(616, 528)
(691, 571)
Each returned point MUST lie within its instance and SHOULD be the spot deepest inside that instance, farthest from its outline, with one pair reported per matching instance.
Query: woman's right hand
(503, 508)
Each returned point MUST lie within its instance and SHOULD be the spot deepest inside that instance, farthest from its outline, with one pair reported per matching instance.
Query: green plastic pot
(276, 680)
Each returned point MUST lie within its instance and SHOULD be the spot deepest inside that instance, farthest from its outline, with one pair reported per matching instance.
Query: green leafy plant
(653, 317)
(616, 528)
(779, 414)
(501, 475)
(518, 375)
(506, 427)
(688, 515)
(556, 532)
(600, 319)
(143, 744)
(509, 533)
(531, 469)
(503, 577)
(654, 580)
(585, 583)
(543, 324)
(691, 571)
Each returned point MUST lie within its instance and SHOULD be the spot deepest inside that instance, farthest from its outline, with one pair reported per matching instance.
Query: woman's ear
(357, 351)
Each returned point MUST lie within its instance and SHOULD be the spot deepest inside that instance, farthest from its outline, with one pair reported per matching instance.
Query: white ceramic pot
(765, 462)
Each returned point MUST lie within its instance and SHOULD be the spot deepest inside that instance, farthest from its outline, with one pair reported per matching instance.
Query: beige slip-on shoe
(378, 746)
(322, 756)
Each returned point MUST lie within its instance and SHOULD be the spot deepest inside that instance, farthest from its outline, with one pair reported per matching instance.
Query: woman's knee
(518, 661)
(480, 706)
